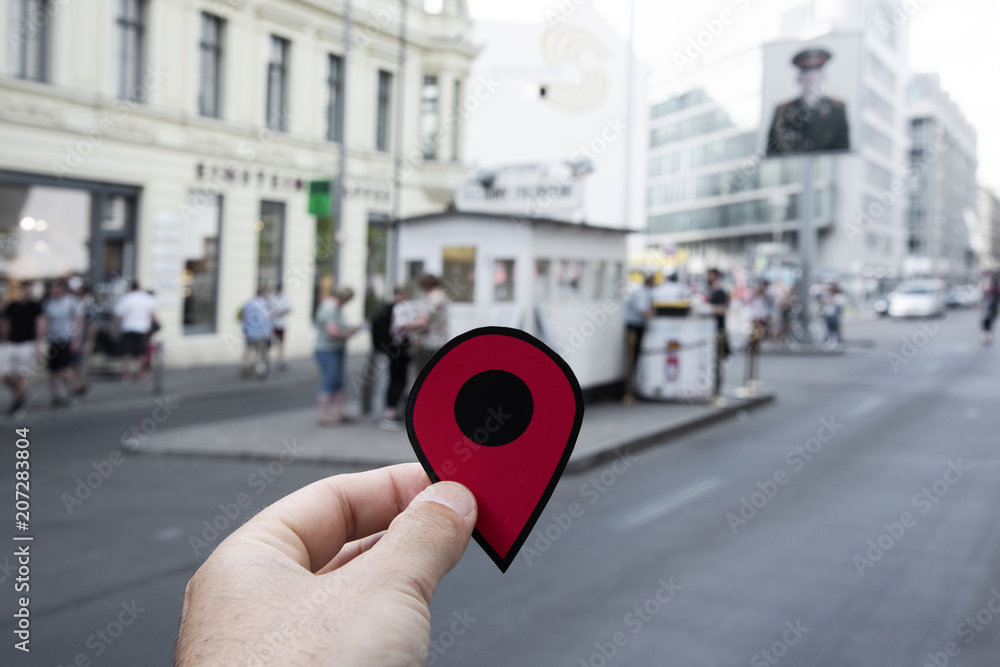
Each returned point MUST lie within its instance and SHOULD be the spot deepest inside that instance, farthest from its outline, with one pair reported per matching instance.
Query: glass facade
(202, 226)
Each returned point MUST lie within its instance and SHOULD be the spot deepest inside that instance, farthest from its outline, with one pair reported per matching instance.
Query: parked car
(881, 305)
(963, 296)
(918, 298)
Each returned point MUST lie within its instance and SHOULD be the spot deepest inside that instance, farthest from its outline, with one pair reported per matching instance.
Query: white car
(918, 298)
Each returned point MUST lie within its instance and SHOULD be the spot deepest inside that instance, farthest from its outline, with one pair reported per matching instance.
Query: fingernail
(449, 494)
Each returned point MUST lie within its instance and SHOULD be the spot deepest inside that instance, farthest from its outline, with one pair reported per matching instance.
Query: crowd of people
(57, 332)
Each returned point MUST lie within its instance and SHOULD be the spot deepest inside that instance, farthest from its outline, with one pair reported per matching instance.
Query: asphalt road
(869, 534)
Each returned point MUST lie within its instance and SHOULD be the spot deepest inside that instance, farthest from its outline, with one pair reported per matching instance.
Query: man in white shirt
(280, 307)
(134, 317)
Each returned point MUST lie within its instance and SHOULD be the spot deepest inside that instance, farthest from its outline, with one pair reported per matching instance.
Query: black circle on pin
(493, 408)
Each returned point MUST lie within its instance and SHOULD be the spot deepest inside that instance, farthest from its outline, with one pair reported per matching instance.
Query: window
(270, 243)
(277, 84)
(382, 111)
(28, 42)
(210, 87)
(456, 119)
(543, 279)
(429, 96)
(334, 98)
(131, 47)
(459, 270)
(503, 280)
(569, 279)
(414, 269)
(202, 223)
(600, 280)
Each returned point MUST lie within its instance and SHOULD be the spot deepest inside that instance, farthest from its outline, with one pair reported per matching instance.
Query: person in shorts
(61, 322)
(280, 307)
(21, 344)
(134, 317)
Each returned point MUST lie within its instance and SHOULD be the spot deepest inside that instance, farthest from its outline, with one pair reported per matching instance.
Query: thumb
(427, 539)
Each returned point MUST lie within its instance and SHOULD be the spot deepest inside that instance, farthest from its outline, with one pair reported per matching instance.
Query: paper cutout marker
(498, 411)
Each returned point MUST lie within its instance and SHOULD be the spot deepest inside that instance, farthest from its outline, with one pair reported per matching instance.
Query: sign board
(321, 195)
(530, 191)
(811, 96)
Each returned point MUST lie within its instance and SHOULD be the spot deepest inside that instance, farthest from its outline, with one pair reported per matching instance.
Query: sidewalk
(608, 427)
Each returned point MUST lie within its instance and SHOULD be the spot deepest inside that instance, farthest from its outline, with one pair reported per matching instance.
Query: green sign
(321, 195)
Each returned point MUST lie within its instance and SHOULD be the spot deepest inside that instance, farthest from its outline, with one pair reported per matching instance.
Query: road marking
(666, 505)
(865, 407)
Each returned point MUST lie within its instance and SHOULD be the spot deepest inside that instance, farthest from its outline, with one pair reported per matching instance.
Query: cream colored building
(174, 141)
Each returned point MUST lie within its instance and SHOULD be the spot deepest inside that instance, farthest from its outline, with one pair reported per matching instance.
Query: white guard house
(560, 281)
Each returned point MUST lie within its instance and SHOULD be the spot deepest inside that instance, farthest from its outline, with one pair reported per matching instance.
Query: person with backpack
(390, 338)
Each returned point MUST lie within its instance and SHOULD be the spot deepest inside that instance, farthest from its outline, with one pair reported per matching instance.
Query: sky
(954, 38)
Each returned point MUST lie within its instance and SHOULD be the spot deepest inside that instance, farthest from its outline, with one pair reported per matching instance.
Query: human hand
(316, 579)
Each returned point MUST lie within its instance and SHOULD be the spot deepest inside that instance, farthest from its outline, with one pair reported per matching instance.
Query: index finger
(312, 524)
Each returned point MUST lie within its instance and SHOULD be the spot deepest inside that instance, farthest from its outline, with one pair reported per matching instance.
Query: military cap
(811, 58)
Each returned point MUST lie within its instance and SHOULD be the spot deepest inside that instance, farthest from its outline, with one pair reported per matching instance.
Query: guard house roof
(514, 219)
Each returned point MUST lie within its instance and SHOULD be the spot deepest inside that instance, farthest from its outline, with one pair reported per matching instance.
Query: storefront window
(460, 273)
(44, 232)
(503, 280)
(270, 245)
(202, 222)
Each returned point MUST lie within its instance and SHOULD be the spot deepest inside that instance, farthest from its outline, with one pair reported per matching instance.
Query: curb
(639, 442)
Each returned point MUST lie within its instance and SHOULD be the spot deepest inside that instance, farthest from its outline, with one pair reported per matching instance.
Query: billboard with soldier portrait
(811, 95)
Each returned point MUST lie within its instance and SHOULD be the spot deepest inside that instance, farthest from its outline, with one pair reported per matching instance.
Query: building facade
(989, 229)
(174, 141)
(716, 198)
(942, 228)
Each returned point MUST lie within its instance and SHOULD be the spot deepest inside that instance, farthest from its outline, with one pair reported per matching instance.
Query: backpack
(381, 325)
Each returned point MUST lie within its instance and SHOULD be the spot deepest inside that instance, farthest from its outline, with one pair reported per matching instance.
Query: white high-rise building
(175, 141)
(712, 194)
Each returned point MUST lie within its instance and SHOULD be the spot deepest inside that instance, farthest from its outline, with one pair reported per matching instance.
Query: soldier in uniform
(813, 121)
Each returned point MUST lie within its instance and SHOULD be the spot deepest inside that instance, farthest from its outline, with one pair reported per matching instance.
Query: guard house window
(270, 246)
(201, 225)
(382, 111)
(456, 119)
(543, 279)
(131, 48)
(569, 279)
(503, 280)
(210, 86)
(277, 84)
(460, 273)
(429, 97)
(334, 98)
(29, 39)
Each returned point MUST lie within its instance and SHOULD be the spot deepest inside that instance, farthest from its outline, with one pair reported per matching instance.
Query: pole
(392, 238)
(807, 240)
(627, 190)
(341, 189)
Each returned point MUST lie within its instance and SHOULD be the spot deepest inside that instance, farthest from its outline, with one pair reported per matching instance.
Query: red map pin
(498, 411)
